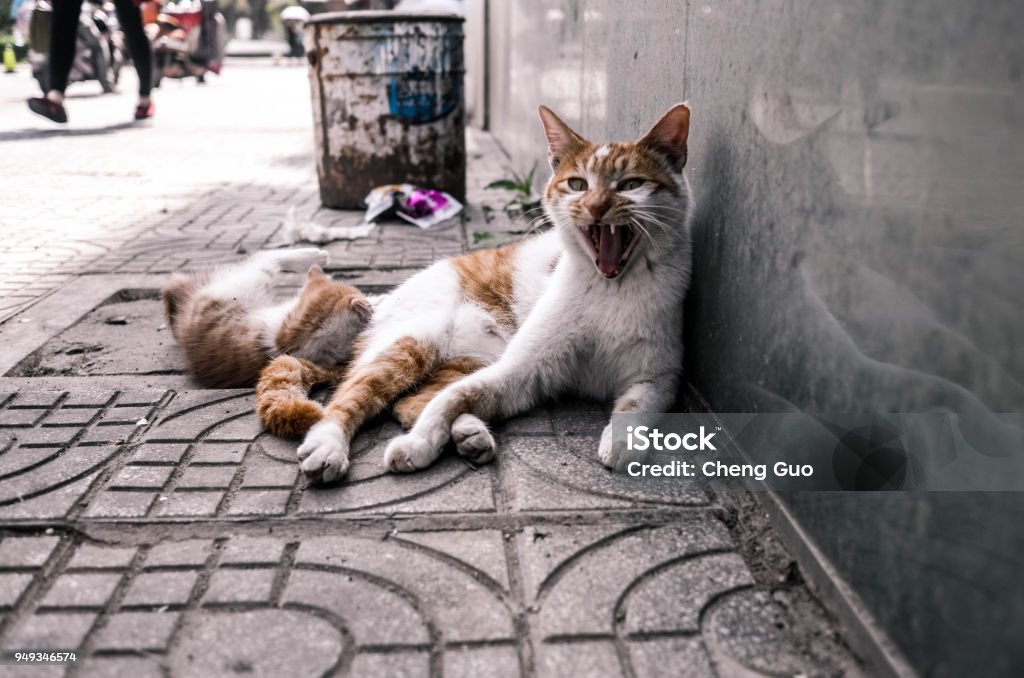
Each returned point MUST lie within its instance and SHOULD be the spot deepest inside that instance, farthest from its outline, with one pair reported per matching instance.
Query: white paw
(472, 439)
(611, 453)
(301, 258)
(409, 453)
(324, 453)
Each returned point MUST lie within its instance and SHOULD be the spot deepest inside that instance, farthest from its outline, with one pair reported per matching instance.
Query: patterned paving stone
(514, 584)
(80, 590)
(236, 642)
(26, 551)
(159, 589)
(12, 586)
(228, 586)
(683, 656)
(137, 631)
(55, 630)
(583, 592)
(560, 472)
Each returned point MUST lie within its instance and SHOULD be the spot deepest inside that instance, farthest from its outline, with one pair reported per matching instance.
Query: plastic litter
(423, 207)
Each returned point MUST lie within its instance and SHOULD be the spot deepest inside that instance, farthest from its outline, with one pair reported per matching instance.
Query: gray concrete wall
(858, 174)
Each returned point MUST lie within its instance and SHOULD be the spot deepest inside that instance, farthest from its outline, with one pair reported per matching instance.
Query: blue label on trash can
(422, 96)
(424, 76)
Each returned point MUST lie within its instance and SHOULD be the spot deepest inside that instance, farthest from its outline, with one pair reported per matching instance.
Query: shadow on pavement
(21, 134)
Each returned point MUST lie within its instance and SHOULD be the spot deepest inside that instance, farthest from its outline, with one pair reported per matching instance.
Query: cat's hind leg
(409, 407)
(471, 437)
(504, 389)
(251, 282)
(367, 389)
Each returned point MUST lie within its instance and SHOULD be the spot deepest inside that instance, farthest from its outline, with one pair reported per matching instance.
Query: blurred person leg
(130, 16)
(63, 42)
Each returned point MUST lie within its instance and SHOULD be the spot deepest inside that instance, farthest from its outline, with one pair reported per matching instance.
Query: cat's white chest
(626, 336)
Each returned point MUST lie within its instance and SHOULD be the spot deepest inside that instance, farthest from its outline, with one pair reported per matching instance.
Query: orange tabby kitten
(229, 326)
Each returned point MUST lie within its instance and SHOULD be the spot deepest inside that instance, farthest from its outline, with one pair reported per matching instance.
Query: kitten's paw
(324, 453)
(472, 439)
(409, 453)
(611, 453)
(301, 258)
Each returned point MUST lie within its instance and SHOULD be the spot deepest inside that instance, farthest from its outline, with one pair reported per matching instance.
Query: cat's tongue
(610, 249)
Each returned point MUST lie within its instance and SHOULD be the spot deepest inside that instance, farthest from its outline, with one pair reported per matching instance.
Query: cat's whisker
(535, 224)
(536, 221)
(639, 226)
(661, 209)
(660, 213)
(653, 220)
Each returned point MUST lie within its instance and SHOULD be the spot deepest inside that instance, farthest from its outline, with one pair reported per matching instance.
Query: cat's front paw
(612, 453)
(409, 452)
(324, 453)
(472, 439)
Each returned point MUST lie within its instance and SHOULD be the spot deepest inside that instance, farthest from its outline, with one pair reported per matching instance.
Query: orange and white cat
(229, 325)
(592, 307)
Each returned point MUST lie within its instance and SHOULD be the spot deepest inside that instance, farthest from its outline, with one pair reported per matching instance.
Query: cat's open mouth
(611, 245)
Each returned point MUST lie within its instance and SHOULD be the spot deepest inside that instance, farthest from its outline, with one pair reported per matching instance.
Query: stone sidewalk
(154, 526)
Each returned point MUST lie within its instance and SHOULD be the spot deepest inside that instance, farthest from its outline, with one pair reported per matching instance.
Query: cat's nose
(597, 211)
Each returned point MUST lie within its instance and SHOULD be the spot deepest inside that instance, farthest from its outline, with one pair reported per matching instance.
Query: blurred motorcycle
(188, 39)
(99, 45)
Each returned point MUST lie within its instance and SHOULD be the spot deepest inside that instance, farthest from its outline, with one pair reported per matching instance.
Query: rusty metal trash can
(387, 102)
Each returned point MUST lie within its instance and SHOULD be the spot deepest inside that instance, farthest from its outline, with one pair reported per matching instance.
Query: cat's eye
(577, 184)
(631, 184)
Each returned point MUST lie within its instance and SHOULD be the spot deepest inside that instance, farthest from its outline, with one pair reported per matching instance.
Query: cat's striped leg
(471, 437)
(408, 409)
(536, 361)
(367, 389)
(282, 394)
(496, 392)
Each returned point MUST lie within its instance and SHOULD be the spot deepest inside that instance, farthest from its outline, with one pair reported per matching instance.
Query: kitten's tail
(282, 394)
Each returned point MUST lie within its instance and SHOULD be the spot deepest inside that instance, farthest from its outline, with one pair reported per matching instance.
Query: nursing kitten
(593, 307)
(229, 325)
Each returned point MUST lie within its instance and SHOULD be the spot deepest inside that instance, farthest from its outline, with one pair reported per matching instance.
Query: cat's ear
(315, 272)
(668, 136)
(562, 141)
(363, 309)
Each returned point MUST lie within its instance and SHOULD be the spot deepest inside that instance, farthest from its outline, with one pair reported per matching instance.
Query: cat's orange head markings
(613, 199)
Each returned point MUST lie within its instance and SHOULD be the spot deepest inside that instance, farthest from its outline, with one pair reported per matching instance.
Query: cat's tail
(282, 394)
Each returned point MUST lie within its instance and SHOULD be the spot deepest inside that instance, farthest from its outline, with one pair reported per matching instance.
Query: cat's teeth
(613, 229)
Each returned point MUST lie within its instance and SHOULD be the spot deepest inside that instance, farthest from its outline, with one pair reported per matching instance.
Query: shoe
(48, 109)
(143, 111)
